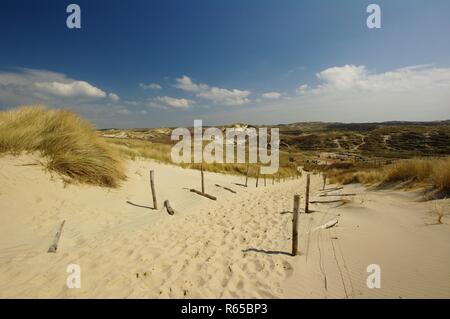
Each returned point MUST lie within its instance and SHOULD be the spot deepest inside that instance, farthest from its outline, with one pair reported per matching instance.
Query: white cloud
(302, 88)
(29, 86)
(353, 93)
(150, 86)
(216, 95)
(167, 101)
(69, 89)
(351, 79)
(271, 95)
(114, 97)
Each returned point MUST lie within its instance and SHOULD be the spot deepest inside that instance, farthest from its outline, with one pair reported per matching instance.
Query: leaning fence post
(246, 175)
(152, 185)
(294, 225)
(257, 178)
(307, 194)
(203, 181)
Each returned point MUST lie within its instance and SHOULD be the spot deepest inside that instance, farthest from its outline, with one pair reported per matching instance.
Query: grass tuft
(70, 144)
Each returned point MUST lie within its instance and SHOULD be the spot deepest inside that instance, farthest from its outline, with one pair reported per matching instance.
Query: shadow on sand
(267, 252)
(141, 206)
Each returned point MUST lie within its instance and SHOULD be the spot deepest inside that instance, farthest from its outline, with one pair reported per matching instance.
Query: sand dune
(236, 247)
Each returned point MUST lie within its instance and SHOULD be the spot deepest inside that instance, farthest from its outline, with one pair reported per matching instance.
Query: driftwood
(169, 209)
(203, 194)
(327, 201)
(228, 189)
(332, 189)
(324, 195)
(54, 247)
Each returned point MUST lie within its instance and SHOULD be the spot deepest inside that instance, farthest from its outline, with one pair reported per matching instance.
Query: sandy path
(234, 247)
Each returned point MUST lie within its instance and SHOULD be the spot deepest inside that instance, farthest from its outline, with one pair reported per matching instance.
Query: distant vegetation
(433, 173)
(70, 144)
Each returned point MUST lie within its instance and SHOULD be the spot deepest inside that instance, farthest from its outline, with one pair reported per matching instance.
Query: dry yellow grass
(133, 148)
(70, 144)
(433, 172)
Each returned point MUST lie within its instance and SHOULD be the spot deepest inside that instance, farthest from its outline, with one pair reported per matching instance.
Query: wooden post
(203, 180)
(54, 247)
(169, 209)
(246, 175)
(264, 180)
(273, 179)
(257, 178)
(294, 225)
(152, 185)
(307, 194)
(324, 181)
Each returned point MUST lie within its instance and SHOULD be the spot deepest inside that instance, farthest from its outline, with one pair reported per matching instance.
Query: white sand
(201, 251)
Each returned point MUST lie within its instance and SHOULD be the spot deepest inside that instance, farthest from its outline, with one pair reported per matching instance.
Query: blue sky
(159, 63)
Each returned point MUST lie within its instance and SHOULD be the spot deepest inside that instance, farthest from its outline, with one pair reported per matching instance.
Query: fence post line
(294, 225)
(152, 185)
(307, 194)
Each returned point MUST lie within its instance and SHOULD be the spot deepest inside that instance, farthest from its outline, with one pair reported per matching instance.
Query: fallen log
(226, 188)
(169, 209)
(203, 194)
(54, 247)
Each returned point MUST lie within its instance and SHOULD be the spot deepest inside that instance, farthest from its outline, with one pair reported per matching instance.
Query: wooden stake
(152, 185)
(307, 194)
(169, 209)
(324, 181)
(54, 247)
(294, 225)
(246, 175)
(264, 180)
(273, 179)
(203, 180)
(257, 178)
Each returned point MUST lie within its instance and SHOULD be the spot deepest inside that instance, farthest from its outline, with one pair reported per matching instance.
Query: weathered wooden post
(152, 185)
(294, 225)
(273, 179)
(324, 181)
(264, 180)
(257, 178)
(203, 180)
(307, 194)
(54, 247)
(246, 175)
